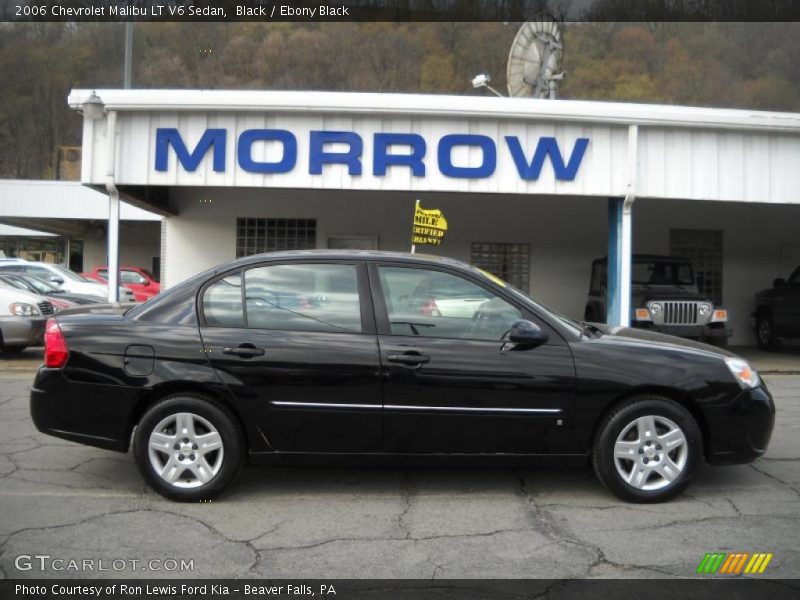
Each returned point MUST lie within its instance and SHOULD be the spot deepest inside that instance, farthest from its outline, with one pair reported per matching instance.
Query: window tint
(222, 303)
(303, 297)
(436, 304)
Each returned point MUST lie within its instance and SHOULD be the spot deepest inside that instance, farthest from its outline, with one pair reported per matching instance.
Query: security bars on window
(255, 235)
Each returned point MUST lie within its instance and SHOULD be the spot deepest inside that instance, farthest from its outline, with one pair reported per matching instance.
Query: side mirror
(56, 279)
(527, 333)
(778, 282)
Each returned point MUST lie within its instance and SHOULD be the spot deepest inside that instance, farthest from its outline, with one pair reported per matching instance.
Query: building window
(704, 248)
(254, 236)
(510, 262)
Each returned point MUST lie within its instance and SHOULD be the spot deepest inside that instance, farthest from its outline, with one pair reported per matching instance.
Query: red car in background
(140, 281)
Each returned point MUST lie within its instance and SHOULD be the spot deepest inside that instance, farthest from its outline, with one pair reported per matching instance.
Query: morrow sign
(405, 150)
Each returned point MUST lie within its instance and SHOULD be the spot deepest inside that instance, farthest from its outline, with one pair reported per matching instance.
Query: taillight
(56, 352)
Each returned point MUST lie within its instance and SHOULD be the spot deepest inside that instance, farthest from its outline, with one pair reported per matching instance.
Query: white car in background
(64, 278)
(22, 319)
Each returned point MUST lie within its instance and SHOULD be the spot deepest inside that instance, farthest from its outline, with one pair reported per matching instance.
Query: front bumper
(741, 430)
(23, 331)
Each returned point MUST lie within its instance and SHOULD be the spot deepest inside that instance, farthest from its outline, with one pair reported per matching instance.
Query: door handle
(245, 351)
(408, 359)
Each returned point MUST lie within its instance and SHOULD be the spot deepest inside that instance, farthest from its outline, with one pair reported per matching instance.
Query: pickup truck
(777, 313)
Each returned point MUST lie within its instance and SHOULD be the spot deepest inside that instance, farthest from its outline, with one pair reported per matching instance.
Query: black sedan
(336, 353)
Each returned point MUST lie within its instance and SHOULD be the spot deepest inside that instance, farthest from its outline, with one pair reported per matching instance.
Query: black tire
(203, 409)
(765, 331)
(624, 416)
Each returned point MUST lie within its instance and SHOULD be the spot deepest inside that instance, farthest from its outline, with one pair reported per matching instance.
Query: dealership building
(533, 190)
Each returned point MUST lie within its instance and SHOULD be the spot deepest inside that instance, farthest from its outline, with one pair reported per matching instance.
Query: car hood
(632, 336)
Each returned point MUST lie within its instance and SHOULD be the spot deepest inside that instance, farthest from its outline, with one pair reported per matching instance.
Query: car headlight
(22, 309)
(655, 308)
(704, 309)
(745, 374)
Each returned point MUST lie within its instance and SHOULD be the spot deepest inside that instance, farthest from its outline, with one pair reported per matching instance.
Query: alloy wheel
(650, 453)
(185, 450)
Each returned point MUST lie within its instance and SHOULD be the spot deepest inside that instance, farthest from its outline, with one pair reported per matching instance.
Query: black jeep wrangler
(664, 297)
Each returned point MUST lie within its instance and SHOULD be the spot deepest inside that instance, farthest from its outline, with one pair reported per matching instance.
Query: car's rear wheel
(765, 331)
(188, 448)
(647, 449)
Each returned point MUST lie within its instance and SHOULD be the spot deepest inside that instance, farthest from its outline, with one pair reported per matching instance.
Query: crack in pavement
(559, 535)
(775, 478)
(247, 543)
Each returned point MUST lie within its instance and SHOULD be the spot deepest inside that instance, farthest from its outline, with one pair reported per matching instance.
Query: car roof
(370, 255)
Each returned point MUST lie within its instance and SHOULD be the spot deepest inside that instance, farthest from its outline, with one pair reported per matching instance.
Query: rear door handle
(408, 359)
(245, 351)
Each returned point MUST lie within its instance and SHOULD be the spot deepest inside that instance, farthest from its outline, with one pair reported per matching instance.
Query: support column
(620, 246)
(614, 269)
(113, 210)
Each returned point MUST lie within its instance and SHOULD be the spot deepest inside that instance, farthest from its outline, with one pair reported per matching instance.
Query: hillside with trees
(738, 65)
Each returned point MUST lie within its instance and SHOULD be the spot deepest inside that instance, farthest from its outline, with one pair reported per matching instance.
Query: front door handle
(409, 359)
(245, 351)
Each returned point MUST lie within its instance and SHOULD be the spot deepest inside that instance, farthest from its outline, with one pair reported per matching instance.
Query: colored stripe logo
(735, 563)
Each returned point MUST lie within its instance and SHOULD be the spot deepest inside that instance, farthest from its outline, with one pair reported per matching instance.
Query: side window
(222, 303)
(102, 273)
(303, 297)
(437, 304)
(132, 277)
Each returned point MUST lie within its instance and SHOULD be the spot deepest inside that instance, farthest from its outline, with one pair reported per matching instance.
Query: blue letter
(381, 159)
(547, 146)
(190, 162)
(318, 156)
(485, 169)
(245, 150)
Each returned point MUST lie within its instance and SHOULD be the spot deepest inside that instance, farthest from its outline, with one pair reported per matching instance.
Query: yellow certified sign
(429, 226)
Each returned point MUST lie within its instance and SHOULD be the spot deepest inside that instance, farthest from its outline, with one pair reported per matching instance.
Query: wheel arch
(161, 391)
(674, 394)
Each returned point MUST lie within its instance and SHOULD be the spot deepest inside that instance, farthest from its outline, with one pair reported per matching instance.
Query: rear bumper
(93, 414)
(741, 429)
(22, 331)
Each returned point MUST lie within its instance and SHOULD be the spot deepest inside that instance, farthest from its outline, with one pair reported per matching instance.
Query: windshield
(149, 274)
(568, 323)
(41, 286)
(662, 273)
(72, 275)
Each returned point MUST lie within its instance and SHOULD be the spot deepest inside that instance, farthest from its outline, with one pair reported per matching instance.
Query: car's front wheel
(647, 449)
(188, 448)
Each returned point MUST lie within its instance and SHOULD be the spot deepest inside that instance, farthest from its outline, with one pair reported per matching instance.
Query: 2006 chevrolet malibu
(375, 353)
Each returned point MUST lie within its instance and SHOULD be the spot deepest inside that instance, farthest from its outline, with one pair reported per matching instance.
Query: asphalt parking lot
(75, 503)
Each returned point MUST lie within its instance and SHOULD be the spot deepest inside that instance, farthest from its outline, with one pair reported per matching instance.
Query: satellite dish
(535, 58)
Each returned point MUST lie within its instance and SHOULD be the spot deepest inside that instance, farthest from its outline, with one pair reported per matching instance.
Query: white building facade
(545, 186)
